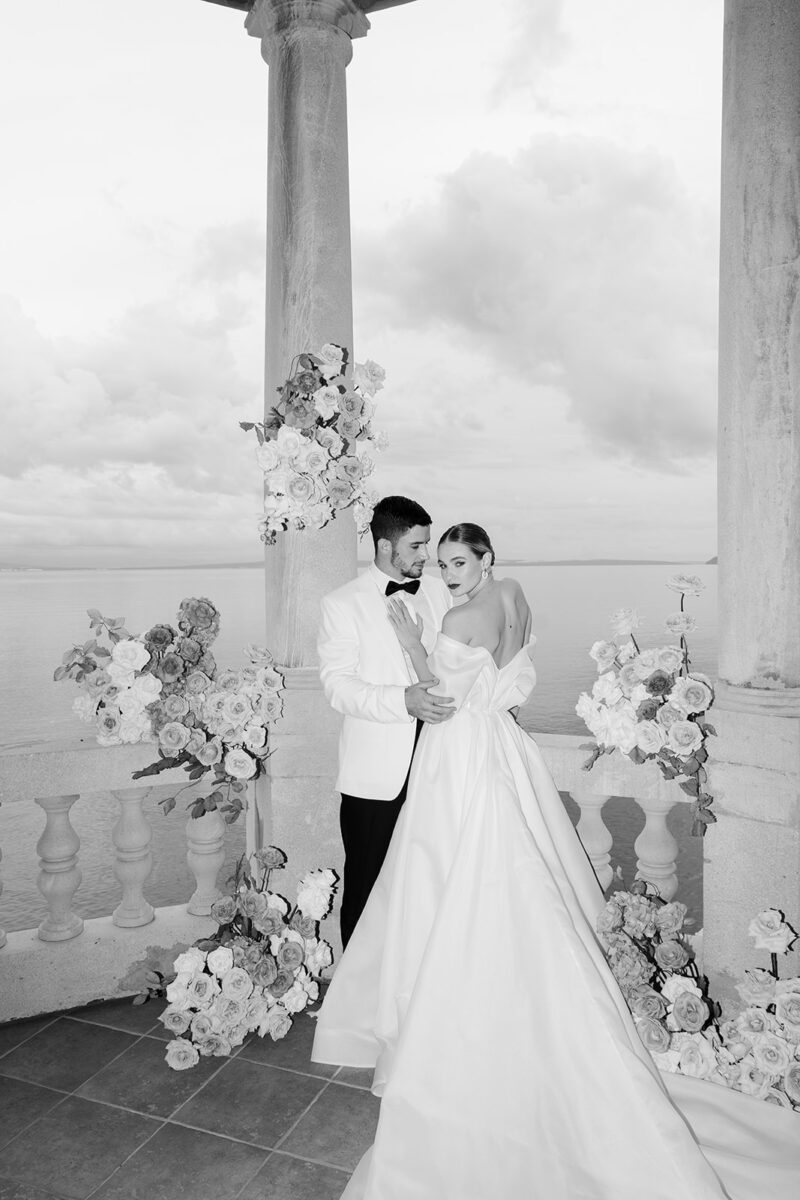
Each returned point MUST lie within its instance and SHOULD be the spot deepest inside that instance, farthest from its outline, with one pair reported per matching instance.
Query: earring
(484, 573)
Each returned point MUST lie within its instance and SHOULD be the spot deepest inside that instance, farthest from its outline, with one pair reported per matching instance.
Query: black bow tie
(412, 587)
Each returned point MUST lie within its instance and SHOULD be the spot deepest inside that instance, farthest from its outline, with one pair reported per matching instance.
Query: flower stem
(774, 960)
(636, 644)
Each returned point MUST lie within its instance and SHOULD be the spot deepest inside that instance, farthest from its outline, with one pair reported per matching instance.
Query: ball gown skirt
(506, 1059)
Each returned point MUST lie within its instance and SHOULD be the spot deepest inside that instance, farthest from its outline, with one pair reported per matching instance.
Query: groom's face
(410, 552)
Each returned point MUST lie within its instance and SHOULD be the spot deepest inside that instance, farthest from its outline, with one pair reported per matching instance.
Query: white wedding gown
(507, 1061)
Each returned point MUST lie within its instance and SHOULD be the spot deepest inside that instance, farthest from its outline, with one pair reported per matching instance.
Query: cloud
(577, 266)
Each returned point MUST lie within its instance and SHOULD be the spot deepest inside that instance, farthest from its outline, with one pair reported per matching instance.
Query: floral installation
(255, 973)
(652, 959)
(164, 686)
(311, 444)
(650, 705)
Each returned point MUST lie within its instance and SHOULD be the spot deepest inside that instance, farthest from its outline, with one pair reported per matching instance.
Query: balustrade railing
(56, 776)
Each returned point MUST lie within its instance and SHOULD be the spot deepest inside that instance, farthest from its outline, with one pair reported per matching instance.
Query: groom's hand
(424, 707)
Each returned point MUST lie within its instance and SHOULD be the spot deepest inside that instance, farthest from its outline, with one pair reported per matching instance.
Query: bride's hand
(409, 631)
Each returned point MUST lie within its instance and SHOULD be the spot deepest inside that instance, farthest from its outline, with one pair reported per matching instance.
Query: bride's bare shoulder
(458, 625)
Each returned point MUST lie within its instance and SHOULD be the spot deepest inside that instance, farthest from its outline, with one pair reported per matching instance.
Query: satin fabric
(507, 1061)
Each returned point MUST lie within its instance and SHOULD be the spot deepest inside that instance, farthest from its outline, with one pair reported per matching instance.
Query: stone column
(307, 45)
(754, 849)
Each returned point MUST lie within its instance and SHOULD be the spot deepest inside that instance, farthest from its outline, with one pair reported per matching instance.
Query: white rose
(255, 738)
(607, 688)
(771, 1054)
(684, 737)
(696, 1057)
(182, 1054)
(603, 654)
(326, 401)
(130, 654)
(689, 585)
(675, 984)
(368, 377)
(147, 687)
(276, 901)
(639, 695)
(669, 659)
(332, 357)
(771, 932)
(190, 961)
(628, 678)
(678, 624)
(220, 960)
(295, 1000)
(625, 653)
(85, 707)
(239, 764)
(650, 737)
(319, 955)
(624, 621)
(690, 694)
(120, 676)
(288, 442)
(135, 728)
(130, 703)
(236, 984)
(268, 456)
(178, 991)
(623, 732)
(315, 892)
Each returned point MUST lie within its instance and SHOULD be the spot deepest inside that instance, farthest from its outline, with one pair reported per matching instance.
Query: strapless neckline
(482, 649)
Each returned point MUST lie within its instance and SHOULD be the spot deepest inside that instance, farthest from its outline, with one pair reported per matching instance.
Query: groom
(366, 676)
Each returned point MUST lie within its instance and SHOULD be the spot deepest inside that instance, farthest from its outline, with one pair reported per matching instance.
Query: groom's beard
(410, 570)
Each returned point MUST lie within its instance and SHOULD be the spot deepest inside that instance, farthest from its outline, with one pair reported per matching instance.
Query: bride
(505, 1057)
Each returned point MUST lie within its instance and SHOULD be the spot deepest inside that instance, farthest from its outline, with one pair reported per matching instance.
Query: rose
(690, 585)
(349, 428)
(628, 678)
(281, 983)
(607, 689)
(669, 659)
(223, 911)
(176, 1020)
(210, 753)
(771, 1054)
(85, 707)
(288, 443)
(624, 621)
(171, 667)
(668, 714)
(331, 441)
(653, 1035)
(684, 737)
(771, 932)
(270, 857)
(339, 492)
(255, 738)
(679, 624)
(266, 972)
(252, 904)
(670, 917)
(271, 706)
(603, 654)
(696, 1057)
(190, 961)
(757, 989)
(791, 1083)
(182, 1054)
(658, 683)
(278, 1023)
(202, 1025)
(774, 1096)
(675, 985)
(689, 1012)
(237, 709)
(268, 456)
(610, 918)
(236, 984)
(754, 1021)
(369, 377)
(214, 1044)
(315, 893)
(239, 765)
(645, 1001)
(130, 654)
(671, 955)
(197, 683)
(752, 1080)
(202, 989)
(650, 736)
(291, 956)
(622, 730)
(175, 706)
(691, 695)
(318, 956)
(190, 650)
(332, 360)
(787, 1011)
(326, 401)
(173, 737)
(638, 918)
(300, 488)
(295, 999)
(120, 676)
(276, 901)
(220, 960)
(108, 721)
(270, 922)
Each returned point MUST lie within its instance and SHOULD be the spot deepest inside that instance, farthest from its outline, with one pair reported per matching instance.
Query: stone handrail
(57, 965)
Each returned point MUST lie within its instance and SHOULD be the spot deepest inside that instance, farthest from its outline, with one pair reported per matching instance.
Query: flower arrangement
(310, 447)
(164, 686)
(259, 969)
(649, 705)
(756, 1052)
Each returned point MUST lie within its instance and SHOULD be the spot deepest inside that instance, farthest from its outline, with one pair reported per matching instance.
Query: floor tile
(255, 1103)
(285, 1178)
(140, 1079)
(184, 1164)
(338, 1129)
(123, 1014)
(360, 1077)
(19, 1031)
(21, 1104)
(65, 1053)
(292, 1052)
(72, 1149)
(11, 1190)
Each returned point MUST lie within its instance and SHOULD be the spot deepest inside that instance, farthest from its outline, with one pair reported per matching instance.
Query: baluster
(656, 848)
(594, 833)
(60, 875)
(205, 855)
(3, 938)
(134, 862)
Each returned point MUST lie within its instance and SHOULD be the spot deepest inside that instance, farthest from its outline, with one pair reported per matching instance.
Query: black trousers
(367, 827)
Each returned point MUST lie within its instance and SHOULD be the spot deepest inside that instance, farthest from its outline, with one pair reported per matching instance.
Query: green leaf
(167, 805)
(247, 425)
(690, 786)
(197, 808)
(94, 614)
(701, 755)
(691, 766)
(710, 729)
(101, 652)
(142, 998)
(60, 673)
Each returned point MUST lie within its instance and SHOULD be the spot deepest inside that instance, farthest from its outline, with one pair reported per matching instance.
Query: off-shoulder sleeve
(456, 666)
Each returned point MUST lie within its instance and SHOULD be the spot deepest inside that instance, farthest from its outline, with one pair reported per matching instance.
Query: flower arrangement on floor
(756, 1052)
(311, 445)
(649, 705)
(259, 969)
(164, 686)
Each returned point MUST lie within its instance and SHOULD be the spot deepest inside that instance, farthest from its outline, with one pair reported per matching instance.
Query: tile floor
(89, 1108)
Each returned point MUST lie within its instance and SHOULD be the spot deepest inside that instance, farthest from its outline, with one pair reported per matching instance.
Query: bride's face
(460, 567)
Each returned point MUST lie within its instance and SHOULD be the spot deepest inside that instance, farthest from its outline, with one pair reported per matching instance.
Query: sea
(43, 612)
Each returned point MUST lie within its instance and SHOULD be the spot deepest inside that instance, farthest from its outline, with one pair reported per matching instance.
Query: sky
(534, 204)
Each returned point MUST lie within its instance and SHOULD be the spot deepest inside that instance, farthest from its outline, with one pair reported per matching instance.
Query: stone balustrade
(66, 961)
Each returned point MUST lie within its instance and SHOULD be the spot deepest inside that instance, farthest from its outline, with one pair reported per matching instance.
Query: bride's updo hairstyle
(473, 536)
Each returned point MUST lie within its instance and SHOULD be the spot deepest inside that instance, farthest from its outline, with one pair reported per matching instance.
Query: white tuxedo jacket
(365, 672)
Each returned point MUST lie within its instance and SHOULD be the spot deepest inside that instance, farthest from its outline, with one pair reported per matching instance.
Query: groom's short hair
(395, 515)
